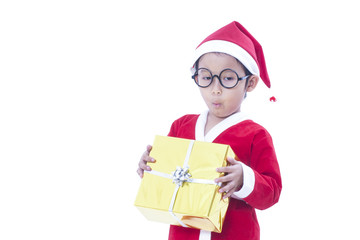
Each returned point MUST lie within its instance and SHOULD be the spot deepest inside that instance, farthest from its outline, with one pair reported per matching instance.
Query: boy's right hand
(145, 158)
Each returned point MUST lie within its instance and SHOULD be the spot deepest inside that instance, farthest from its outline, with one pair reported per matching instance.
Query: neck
(213, 120)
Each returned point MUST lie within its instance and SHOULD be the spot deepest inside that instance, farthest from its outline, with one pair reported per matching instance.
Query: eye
(204, 75)
(228, 78)
(228, 75)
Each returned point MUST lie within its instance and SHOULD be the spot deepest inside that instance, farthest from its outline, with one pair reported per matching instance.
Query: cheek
(235, 98)
(239, 92)
(204, 93)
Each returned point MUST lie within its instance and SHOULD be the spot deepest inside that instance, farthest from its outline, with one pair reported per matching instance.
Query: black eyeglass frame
(218, 76)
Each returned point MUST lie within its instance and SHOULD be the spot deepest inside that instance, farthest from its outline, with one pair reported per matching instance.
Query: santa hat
(235, 40)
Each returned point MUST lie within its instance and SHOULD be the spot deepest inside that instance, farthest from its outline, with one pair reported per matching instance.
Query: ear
(252, 82)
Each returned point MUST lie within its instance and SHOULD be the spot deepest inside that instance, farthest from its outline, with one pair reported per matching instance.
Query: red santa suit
(261, 189)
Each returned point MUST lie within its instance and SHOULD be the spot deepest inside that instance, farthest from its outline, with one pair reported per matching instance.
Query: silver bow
(181, 175)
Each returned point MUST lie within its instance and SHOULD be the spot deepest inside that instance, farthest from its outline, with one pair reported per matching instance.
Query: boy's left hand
(233, 178)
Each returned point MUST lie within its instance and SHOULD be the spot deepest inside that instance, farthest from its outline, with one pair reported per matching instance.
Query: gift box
(180, 188)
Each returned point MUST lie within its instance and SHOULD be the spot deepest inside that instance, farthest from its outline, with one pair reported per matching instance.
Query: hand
(145, 158)
(233, 178)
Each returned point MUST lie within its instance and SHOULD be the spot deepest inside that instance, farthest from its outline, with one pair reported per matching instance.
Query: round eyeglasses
(228, 78)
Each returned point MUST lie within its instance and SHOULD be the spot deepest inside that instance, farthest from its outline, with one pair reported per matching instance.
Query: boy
(228, 64)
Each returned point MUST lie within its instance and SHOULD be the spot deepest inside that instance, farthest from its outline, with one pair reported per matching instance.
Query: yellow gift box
(180, 188)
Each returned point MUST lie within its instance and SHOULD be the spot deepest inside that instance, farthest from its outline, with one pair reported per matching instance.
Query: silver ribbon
(181, 175)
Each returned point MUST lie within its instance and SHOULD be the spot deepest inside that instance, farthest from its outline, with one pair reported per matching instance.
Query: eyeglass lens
(227, 77)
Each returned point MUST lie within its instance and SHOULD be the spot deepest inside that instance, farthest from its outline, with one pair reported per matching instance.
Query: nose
(216, 86)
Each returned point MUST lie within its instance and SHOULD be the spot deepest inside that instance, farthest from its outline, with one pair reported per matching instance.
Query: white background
(85, 86)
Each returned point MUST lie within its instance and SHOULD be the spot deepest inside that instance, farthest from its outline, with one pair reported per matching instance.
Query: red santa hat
(235, 40)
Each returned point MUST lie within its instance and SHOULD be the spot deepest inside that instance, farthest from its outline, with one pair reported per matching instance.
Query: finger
(140, 172)
(145, 157)
(144, 166)
(225, 169)
(225, 179)
(228, 190)
(228, 194)
(149, 159)
(231, 160)
(144, 160)
(143, 163)
(148, 148)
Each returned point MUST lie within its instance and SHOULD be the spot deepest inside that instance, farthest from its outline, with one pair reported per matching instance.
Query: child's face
(222, 102)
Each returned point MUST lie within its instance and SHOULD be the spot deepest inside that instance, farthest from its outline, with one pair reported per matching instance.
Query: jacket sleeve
(174, 129)
(184, 127)
(262, 181)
